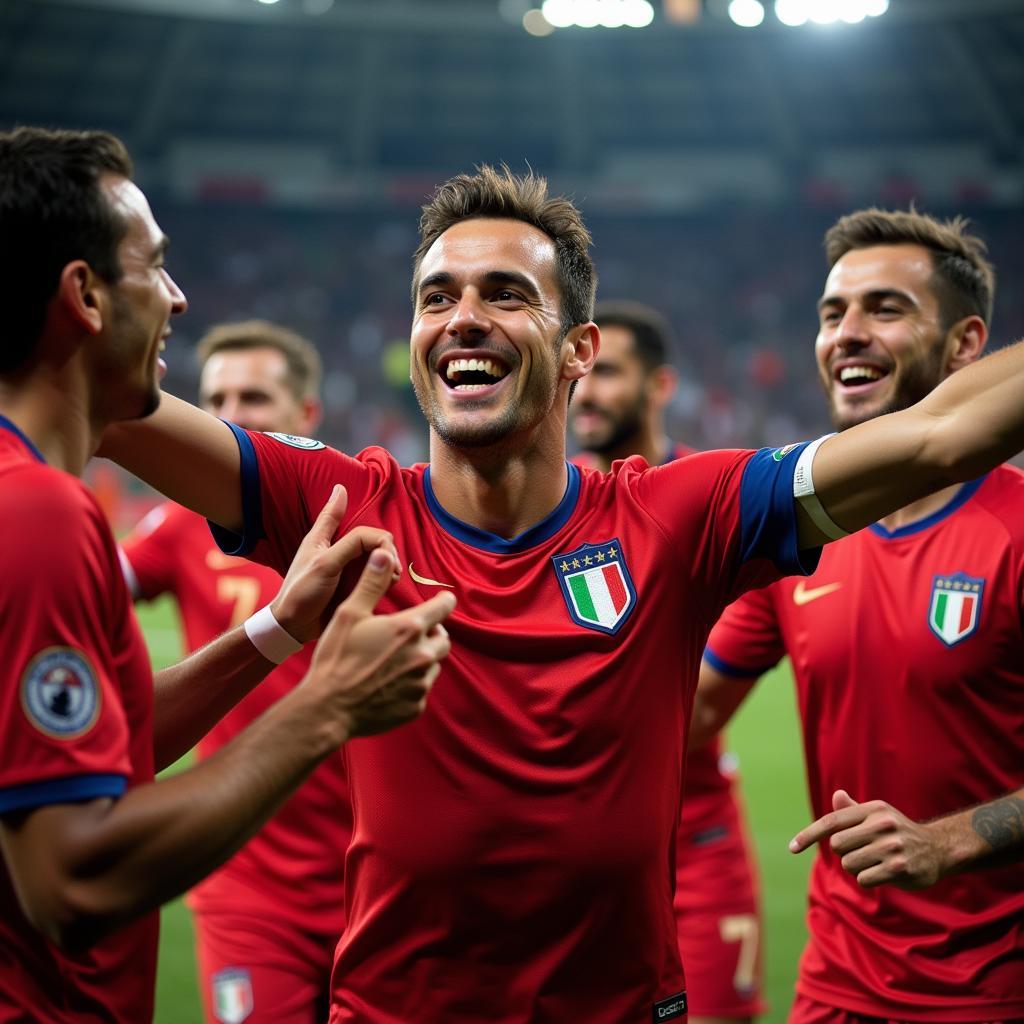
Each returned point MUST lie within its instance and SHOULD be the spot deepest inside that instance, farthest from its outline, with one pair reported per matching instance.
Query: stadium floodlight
(267, 2)
(852, 11)
(536, 24)
(875, 8)
(792, 13)
(613, 13)
(746, 13)
(560, 13)
(588, 13)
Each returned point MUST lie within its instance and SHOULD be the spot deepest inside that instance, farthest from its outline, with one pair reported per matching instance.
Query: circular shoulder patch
(60, 693)
(308, 444)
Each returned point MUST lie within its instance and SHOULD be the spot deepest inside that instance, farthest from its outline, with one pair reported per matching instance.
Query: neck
(919, 510)
(503, 492)
(54, 418)
(653, 446)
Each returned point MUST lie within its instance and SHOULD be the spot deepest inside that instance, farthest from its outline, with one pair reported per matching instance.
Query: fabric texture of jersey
(716, 880)
(512, 849)
(908, 655)
(76, 701)
(293, 868)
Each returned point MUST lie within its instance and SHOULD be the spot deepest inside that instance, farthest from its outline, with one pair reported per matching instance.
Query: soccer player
(90, 844)
(267, 922)
(908, 655)
(618, 411)
(512, 849)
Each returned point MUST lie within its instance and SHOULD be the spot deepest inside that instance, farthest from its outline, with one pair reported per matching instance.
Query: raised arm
(82, 869)
(970, 423)
(717, 699)
(185, 453)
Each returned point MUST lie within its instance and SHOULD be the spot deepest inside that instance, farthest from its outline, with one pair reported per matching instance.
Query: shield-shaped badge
(596, 585)
(955, 607)
(232, 995)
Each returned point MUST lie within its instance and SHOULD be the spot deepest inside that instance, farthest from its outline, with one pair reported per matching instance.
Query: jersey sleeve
(731, 516)
(285, 482)
(152, 553)
(63, 719)
(746, 641)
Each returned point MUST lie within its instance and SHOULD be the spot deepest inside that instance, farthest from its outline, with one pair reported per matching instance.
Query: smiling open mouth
(859, 376)
(473, 374)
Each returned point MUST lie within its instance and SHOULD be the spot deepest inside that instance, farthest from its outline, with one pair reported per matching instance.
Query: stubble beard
(624, 431)
(915, 381)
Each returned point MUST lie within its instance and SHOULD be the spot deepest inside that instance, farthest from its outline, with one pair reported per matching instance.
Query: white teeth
(469, 387)
(487, 366)
(852, 373)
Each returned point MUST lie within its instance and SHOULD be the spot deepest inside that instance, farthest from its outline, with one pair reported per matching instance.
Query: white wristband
(269, 637)
(803, 491)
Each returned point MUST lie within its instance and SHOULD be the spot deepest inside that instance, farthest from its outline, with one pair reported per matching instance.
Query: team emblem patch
(596, 585)
(60, 693)
(307, 444)
(232, 995)
(955, 607)
(780, 453)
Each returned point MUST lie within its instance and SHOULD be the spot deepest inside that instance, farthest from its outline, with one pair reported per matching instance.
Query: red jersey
(293, 867)
(908, 655)
(512, 849)
(76, 697)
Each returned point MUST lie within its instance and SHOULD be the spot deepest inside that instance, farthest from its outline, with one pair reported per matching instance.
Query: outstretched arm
(879, 845)
(185, 453)
(970, 423)
(717, 699)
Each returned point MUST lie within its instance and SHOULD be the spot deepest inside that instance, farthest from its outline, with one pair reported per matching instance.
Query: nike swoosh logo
(427, 583)
(801, 595)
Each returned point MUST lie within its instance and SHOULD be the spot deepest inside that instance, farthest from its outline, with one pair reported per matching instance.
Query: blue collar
(6, 424)
(486, 541)
(960, 498)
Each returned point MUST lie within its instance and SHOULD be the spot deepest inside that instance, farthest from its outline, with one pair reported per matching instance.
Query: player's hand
(375, 671)
(878, 844)
(301, 604)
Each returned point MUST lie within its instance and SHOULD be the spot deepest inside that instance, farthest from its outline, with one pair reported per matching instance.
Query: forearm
(124, 858)
(185, 453)
(983, 836)
(191, 697)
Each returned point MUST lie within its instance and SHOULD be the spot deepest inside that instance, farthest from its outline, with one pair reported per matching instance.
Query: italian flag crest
(232, 995)
(955, 607)
(596, 585)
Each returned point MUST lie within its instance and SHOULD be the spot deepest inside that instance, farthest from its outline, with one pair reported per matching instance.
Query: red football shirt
(293, 867)
(512, 849)
(76, 695)
(908, 655)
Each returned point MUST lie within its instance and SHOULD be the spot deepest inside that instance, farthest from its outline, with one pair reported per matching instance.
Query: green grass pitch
(765, 736)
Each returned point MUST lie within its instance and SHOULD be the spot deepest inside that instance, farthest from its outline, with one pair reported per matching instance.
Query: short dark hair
(499, 194)
(963, 280)
(652, 336)
(304, 369)
(52, 211)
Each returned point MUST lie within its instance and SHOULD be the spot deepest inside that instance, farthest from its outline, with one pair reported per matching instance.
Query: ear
(312, 413)
(966, 341)
(661, 385)
(579, 350)
(82, 296)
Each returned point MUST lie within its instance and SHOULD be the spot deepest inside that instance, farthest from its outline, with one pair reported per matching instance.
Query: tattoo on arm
(1001, 824)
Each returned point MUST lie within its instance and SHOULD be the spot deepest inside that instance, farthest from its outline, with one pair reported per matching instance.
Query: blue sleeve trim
(228, 541)
(768, 512)
(728, 669)
(61, 791)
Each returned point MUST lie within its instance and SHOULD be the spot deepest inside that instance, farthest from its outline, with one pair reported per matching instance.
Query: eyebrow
(492, 277)
(160, 249)
(875, 295)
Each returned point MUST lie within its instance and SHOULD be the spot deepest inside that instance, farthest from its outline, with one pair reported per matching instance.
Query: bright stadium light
(588, 13)
(560, 13)
(536, 24)
(792, 13)
(852, 11)
(639, 13)
(875, 8)
(613, 14)
(746, 13)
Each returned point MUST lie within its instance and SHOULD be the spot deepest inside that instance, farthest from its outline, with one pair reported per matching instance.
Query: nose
(178, 301)
(469, 317)
(230, 409)
(852, 329)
